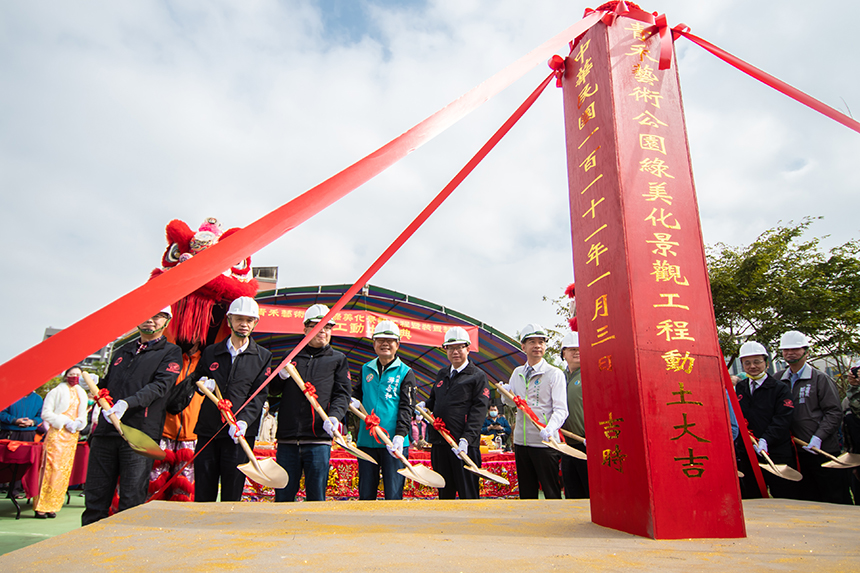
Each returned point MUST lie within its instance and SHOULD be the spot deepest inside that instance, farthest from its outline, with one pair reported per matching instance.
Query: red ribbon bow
(526, 409)
(226, 408)
(439, 426)
(556, 63)
(311, 392)
(372, 422)
(104, 394)
(658, 25)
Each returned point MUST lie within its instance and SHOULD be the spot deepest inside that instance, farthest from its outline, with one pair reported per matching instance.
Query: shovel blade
(424, 475)
(270, 473)
(567, 450)
(141, 443)
(488, 475)
(846, 460)
(783, 471)
(355, 451)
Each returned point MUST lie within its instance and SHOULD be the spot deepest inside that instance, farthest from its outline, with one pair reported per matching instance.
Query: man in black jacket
(304, 440)
(459, 397)
(239, 367)
(139, 378)
(767, 407)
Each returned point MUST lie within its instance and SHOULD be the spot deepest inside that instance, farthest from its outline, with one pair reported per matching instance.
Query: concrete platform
(485, 535)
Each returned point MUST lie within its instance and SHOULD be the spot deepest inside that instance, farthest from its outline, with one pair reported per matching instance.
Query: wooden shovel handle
(510, 396)
(94, 390)
(463, 455)
(819, 450)
(242, 441)
(362, 413)
(764, 454)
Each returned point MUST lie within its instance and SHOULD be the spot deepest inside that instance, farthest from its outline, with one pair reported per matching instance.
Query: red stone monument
(661, 461)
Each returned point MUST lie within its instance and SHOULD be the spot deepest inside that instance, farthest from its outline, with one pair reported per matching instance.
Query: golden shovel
(552, 443)
(469, 464)
(266, 472)
(420, 473)
(338, 437)
(781, 470)
(137, 440)
(846, 460)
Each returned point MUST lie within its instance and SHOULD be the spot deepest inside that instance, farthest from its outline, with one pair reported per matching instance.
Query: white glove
(330, 425)
(355, 403)
(119, 409)
(421, 405)
(761, 446)
(396, 446)
(505, 386)
(284, 374)
(814, 442)
(80, 425)
(549, 432)
(238, 431)
(463, 446)
(71, 426)
(208, 383)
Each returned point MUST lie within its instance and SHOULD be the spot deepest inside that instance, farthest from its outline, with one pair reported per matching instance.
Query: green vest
(381, 396)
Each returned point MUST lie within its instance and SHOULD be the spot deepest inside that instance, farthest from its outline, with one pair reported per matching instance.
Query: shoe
(40, 515)
(51, 514)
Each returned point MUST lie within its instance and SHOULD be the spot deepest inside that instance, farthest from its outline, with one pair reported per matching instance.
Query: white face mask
(493, 413)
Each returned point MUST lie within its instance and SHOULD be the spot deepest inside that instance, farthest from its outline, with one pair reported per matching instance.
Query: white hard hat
(315, 313)
(532, 330)
(570, 340)
(166, 311)
(457, 335)
(793, 339)
(244, 306)
(387, 329)
(752, 349)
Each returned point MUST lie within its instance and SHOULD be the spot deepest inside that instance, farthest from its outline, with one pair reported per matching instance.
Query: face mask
(73, 380)
(493, 413)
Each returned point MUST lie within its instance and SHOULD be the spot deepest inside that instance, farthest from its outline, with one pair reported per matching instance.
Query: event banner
(660, 455)
(360, 324)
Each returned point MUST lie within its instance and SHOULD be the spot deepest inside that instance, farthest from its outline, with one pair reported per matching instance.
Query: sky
(120, 116)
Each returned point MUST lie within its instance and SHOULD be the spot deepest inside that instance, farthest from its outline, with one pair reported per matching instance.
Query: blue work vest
(382, 397)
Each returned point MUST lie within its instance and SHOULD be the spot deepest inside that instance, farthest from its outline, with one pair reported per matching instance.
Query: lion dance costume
(198, 320)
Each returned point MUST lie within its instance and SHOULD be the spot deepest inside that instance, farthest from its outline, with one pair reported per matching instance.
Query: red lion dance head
(198, 317)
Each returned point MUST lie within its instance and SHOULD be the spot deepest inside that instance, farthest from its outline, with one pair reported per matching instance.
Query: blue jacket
(388, 394)
(29, 406)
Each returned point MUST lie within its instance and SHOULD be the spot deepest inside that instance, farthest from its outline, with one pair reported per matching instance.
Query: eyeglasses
(454, 347)
(753, 362)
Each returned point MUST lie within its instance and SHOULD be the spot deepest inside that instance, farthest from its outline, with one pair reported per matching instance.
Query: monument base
(488, 535)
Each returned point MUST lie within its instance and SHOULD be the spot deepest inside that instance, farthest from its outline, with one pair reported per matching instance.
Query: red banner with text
(360, 324)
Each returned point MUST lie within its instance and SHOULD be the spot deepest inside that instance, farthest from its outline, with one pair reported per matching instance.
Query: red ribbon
(767, 79)
(226, 407)
(439, 426)
(526, 409)
(104, 395)
(372, 422)
(556, 64)
(309, 391)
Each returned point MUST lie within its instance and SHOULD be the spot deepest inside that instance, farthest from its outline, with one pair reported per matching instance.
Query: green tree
(785, 282)
(561, 305)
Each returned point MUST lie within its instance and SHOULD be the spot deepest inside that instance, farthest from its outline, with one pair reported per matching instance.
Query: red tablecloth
(24, 459)
(343, 477)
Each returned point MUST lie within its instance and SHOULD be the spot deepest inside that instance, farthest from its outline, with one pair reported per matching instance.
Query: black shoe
(51, 514)
(40, 515)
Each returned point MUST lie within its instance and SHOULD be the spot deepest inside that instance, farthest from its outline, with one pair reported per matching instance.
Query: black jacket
(462, 404)
(237, 380)
(328, 371)
(142, 380)
(768, 412)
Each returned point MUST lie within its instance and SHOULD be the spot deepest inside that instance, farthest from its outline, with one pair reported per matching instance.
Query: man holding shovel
(767, 407)
(235, 368)
(816, 420)
(543, 387)
(140, 376)
(387, 391)
(304, 439)
(459, 400)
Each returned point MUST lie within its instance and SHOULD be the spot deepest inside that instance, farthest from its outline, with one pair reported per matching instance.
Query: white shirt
(236, 352)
